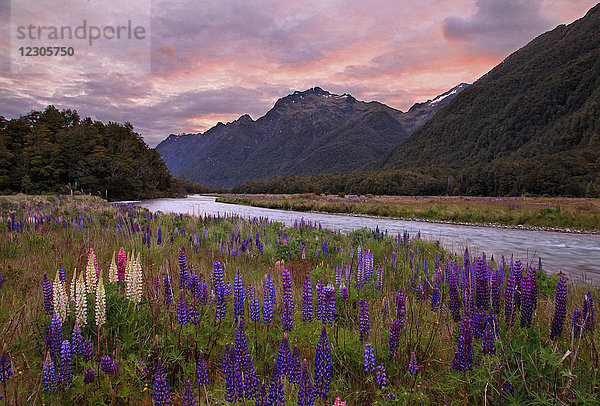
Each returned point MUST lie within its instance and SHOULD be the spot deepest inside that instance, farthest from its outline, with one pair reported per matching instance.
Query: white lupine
(72, 287)
(80, 302)
(112, 271)
(134, 280)
(60, 299)
(91, 279)
(100, 303)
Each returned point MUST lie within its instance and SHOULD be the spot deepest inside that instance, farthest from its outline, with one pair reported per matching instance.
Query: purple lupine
(528, 299)
(489, 336)
(287, 318)
(307, 299)
(453, 295)
(322, 366)
(162, 395)
(77, 340)
(250, 379)
(49, 378)
(482, 287)
(106, 364)
(463, 358)
(219, 290)
(320, 299)
(188, 396)
(238, 296)
(61, 273)
(168, 290)
(201, 370)
(305, 394)
(560, 309)
(261, 395)
(88, 350)
(55, 336)
(478, 322)
(369, 358)
(380, 376)
(518, 272)
(88, 375)
(241, 344)
(413, 367)
(435, 298)
(296, 366)
(183, 271)
(588, 312)
(48, 296)
(254, 304)
(269, 300)
(395, 329)
(66, 363)
(577, 322)
(159, 237)
(329, 305)
(363, 319)
(400, 307)
(379, 285)
(509, 299)
(344, 293)
(183, 315)
(276, 395)
(228, 371)
(284, 358)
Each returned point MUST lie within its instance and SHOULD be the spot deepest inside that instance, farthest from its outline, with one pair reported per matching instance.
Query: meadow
(546, 212)
(111, 304)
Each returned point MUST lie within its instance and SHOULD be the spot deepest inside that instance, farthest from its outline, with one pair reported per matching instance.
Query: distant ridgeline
(56, 151)
(529, 126)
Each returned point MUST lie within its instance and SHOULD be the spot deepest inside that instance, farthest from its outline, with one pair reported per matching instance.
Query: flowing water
(577, 255)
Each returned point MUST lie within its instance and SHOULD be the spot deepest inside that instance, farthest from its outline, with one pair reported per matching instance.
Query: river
(577, 255)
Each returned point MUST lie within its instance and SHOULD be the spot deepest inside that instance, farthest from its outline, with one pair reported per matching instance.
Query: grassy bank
(563, 213)
(445, 331)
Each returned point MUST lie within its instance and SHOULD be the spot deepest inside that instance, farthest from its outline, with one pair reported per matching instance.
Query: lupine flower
(400, 307)
(276, 395)
(380, 376)
(527, 299)
(588, 312)
(254, 304)
(482, 288)
(329, 305)
(112, 270)
(100, 303)
(141, 369)
(320, 299)
(284, 358)
(66, 370)
(344, 293)
(363, 319)
(413, 367)
(489, 337)
(55, 336)
(518, 272)
(379, 285)
(507, 390)
(106, 364)
(121, 264)
(47, 289)
(134, 280)
(238, 296)
(183, 273)
(61, 301)
(77, 340)
(159, 237)
(88, 350)
(560, 309)
(268, 302)
(201, 370)
(162, 395)
(261, 396)
(228, 365)
(478, 322)
(497, 278)
(322, 366)
(369, 358)
(250, 379)
(88, 375)
(90, 273)
(305, 393)
(5, 366)
(188, 396)
(307, 299)
(80, 301)
(49, 374)
(241, 344)
(577, 322)
(395, 329)
(453, 296)
(182, 309)
(509, 299)
(296, 366)
(288, 301)
(435, 298)
(463, 359)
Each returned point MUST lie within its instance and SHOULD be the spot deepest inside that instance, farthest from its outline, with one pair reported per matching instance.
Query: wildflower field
(110, 304)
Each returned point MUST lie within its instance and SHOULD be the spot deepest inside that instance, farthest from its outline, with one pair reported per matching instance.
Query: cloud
(499, 27)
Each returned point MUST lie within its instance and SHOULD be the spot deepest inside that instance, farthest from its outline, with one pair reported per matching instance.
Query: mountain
(305, 133)
(530, 125)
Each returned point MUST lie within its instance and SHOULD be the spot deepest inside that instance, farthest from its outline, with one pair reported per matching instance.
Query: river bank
(566, 215)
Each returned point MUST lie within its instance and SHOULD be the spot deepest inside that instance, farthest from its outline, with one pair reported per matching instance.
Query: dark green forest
(54, 151)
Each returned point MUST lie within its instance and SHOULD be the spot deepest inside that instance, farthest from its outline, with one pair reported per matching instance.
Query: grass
(540, 370)
(560, 213)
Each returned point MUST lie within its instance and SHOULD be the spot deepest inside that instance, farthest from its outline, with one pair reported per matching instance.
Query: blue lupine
(55, 333)
(482, 288)
(182, 309)
(162, 395)
(435, 298)
(363, 319)
(284, 358)
(288, 301)
(307, 299)
(463, 358)
(489, 337)
(88, 350)
(48, 296)
(400, 308)
(344, 293)
(320, 299)
(49, 378)
(560, 309)
(276, 395)
(228, 371)
(527, 299)
(588, 312)
(66, 361)
(201, 370)
(269, 300)
(329, 305)
(507, 390)
(183, 271)
(254, 304)
(241, 344)
(369, 358)
(261, 396)
(379, 285)
(413, 367)
(518, 272)
(380, 376)
(88, 375)
(188, 396)
(106, 364)
(238, 296)
(250, 379)
(395, 329)
(296, 366)
(159, 238)
(323, 366)
(77, 340)
(305, 394)
(453, 295)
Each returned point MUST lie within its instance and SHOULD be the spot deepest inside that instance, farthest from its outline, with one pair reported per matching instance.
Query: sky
(204, 61)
